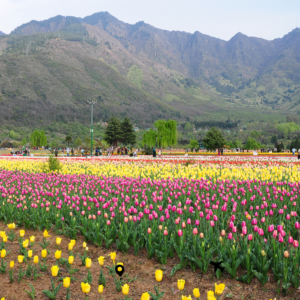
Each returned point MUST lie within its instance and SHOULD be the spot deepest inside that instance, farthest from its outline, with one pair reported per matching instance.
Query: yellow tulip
(84, 245)
(101, 260)
(12, 264)
(88, 262)
(35, 259)
(3, 253)
(32, 238)
(25, 243)
(73, 242)
(196, 293)
(180, 284)
(211, 295)
(44, 253)
(29, 253)
(11, 226)
(20, 258)
(71, 259)
(85, 287)
(46, 234)
(219, 288)
(66, 282)
(58, 240)
(159, 275)
(100, 289)
(57, 254)
(54, 270)
(4, 238)
(186, 298)
(145, 296)
(2, 298)
(113, 256)
(70, 246)
(22, 233)
(125, 289)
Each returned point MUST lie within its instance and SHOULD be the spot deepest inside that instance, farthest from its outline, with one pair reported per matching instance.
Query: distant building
(136, 129)
(104, 124)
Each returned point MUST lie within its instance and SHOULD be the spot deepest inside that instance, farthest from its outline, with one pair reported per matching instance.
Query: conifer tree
(113, 133)
(128, 135)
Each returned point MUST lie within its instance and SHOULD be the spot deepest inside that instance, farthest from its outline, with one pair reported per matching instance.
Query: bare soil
(135, 266)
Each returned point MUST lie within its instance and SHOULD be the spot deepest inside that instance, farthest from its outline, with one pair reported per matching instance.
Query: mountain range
(48, 69)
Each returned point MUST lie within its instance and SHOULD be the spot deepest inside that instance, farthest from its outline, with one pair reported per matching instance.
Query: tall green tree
(38, 138)
(149, 138)
(68, 139)
(24, 141)
(113, 132)
(166, 133)
(194, 144)
(128, 136)
(252, 144)
(78, 142)
(214, 139)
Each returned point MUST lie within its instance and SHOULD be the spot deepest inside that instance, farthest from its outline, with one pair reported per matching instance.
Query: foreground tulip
(186, 298)
(11, 226)
(85, 287)
(73, 242)
(44, 253)
(25, 243)
(145, 296)
(113, 256)
(3, 253)
(54, 270)
(46, 234)
(125, 289)
(35, 259)
(71, 259)
(100, 289)
(196, 293)
(57, 254)
(84, 245)
(180, 284)
(70, 246)
(88, 262)
(12, 264)
(22, 233)
(211, 295)
(159, 275)
(66, 282)
(32, 239)
(58, 241)
(219, 288)
(29, 253)
(101, 260)
(20, 258)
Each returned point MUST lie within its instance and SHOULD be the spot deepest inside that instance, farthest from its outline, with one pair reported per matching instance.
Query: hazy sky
(267, 19)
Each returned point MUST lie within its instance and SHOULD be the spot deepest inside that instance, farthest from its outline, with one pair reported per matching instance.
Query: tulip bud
(263, 253)
(286, 254)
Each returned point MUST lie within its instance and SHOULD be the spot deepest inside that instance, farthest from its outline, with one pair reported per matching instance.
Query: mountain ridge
(184, 75)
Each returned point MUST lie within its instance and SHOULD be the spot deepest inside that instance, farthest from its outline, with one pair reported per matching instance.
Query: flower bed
(242, 213)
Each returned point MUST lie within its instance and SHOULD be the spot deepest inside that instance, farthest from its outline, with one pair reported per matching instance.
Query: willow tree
(38, 138)
(149, 138)
(166, 133)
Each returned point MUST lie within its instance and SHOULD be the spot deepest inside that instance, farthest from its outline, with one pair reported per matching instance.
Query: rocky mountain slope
(53, 66)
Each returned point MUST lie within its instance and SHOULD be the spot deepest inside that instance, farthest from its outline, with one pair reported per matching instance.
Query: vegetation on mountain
(145, 74)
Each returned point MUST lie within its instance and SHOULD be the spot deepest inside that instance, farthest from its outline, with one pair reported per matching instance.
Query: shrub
(53, 165)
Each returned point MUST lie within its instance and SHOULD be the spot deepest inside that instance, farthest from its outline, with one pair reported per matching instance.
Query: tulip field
(214, 227)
